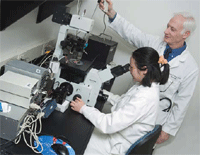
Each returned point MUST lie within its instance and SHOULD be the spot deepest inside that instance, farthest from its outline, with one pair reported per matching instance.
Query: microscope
(80, 62)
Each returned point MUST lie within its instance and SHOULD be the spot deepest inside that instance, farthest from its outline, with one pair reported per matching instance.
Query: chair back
(144, 145)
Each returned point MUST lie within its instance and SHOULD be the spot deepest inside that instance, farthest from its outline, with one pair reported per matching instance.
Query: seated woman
(134, 113)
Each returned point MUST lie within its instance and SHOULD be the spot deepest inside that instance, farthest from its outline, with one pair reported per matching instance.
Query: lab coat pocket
(163, 88)
(171, 87)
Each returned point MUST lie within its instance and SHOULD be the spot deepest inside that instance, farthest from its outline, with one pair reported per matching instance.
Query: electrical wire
(94, 11)
(104, 27)
(58, 83)
(50, 70)
(45, 60)
(103, 33)
(104, 24)
(29, 126)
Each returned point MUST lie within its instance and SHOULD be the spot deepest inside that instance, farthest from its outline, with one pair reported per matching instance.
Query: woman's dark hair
(147, 56)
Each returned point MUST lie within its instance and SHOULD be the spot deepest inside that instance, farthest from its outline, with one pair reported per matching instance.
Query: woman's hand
(111, 13)
(77, 104)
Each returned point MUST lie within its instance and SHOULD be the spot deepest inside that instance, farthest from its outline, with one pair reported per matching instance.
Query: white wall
(25, 34)
(152, 16)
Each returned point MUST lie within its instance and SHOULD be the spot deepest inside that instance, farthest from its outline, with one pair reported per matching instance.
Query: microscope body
(83, 76)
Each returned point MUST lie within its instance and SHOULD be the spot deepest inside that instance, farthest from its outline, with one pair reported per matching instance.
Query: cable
(29, 126)
(104, 23)
(42, 59)
(58, 84)
(45, 60)
(50, 70)
(94, 11)
(103, 33)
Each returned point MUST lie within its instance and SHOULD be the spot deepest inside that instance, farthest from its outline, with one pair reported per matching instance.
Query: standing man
(177, 92)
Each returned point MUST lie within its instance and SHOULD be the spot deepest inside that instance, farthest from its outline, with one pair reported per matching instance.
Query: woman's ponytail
(148, 58)
(164, 74)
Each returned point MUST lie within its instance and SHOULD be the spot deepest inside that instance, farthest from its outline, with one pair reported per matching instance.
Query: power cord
(29, 126)
(103, 33)
(94, 10)
(45, 60)
(104, 23)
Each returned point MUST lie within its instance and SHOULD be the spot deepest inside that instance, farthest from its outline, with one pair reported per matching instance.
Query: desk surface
(70, 124)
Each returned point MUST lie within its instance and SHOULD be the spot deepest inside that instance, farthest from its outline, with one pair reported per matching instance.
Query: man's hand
(111, 13)
(77, 104)
(163, 137)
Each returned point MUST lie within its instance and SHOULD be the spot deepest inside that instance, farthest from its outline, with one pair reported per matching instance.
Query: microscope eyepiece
(119, 70)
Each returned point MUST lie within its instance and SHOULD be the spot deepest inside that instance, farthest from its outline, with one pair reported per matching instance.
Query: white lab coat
(132, 115)
(182, 80)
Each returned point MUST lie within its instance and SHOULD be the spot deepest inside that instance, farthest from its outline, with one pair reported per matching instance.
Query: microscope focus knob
(75, 96)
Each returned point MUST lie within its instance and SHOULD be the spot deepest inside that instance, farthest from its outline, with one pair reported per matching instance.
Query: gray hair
(189, 24)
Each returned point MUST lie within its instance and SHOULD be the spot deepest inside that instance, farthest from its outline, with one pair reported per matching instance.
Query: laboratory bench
(70, 124)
